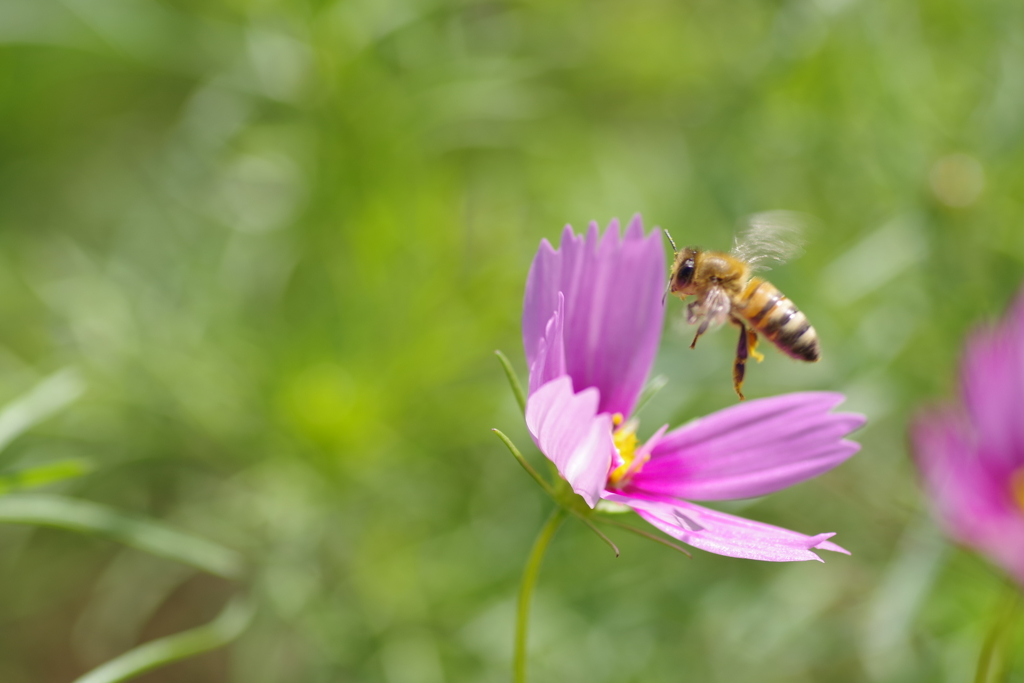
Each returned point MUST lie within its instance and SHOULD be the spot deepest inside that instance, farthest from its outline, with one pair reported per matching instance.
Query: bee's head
(682, 271)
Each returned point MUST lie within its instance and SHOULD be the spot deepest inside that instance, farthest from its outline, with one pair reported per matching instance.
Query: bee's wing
(770, 236)
(711, 310)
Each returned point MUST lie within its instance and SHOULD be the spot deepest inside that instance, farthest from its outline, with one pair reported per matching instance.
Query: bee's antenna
(671, 241)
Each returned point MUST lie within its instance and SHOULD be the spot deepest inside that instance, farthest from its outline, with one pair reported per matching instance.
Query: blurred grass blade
(228, 625)
(92, 518)
(993, 656)
(45, 399)
(513, 380)
(656, 384)
(41, 475)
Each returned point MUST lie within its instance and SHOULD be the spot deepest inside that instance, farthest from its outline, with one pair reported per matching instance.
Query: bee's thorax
(718, 269)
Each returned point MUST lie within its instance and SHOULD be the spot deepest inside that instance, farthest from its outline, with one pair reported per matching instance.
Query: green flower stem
(530, 573)
(992, 656)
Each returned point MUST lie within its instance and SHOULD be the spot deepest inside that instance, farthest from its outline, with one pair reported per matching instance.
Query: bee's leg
(700, 330)
(693, 312)
(739, 367)
(752, 345)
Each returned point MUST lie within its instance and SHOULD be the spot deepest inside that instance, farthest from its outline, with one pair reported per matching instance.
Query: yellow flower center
(1017, 487)
(626, 443)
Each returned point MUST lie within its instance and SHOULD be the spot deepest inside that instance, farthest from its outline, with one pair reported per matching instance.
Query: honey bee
(725, 289)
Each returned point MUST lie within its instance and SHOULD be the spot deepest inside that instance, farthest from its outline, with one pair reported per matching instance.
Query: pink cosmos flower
(971, 455)
(592, 321)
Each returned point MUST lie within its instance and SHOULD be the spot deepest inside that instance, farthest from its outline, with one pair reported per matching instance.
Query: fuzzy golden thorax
(695, 271)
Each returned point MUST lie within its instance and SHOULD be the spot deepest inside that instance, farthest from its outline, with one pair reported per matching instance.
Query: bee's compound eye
(685, 274)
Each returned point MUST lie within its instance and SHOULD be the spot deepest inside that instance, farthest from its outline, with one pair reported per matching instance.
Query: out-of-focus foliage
(279, 240)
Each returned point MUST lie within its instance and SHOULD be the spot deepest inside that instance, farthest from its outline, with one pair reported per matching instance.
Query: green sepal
(513, 380)
(610, 508)
(526, 465)
(563, 495)
(640, 532)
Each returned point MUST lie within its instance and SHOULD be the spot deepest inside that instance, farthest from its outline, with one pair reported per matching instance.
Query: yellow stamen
(1017, 487)
(626, 443)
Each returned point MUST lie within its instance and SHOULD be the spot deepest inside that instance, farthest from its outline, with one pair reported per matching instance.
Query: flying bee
(726, 290)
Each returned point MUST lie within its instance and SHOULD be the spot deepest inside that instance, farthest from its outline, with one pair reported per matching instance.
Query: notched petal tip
(725, 534)
(821, 542)
(833, 548)
(851, 421)
(824, 401)
(751, 449)
(569, 237)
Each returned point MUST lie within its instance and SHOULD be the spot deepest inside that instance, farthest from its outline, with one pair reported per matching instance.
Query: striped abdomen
(778, 320)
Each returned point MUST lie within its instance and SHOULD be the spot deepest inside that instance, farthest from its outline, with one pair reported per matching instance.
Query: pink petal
(651, 443)
(549, 359)
(724, 534)
(992, 378)
(569, 431)
(971, 496)
(612, 289)
(750, 449)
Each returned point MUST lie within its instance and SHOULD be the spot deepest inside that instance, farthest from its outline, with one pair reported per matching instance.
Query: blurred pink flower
(971, 455)
(592, 321)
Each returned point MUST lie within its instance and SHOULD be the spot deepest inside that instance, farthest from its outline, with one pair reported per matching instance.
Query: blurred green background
(277, 241)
